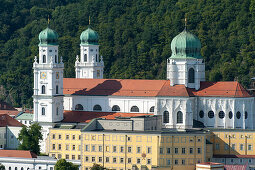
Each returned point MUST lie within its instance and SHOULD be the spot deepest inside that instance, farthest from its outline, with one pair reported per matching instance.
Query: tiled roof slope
(6, 120)
(10, 112)
(17, 154)
(86, 116)
(149, 88)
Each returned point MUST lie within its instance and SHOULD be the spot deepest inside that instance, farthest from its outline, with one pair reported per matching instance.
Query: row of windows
(115, 108)
(16, 168)
(73, 157)
(168, 162)
(166, 117)
(115, 160)
(44, 59)
(233, 146)
(85, 59)
(179, 150)
(221, 114)
(67, 137)
(115, 149)
(44, 111)
(44, 89)
(67, 147)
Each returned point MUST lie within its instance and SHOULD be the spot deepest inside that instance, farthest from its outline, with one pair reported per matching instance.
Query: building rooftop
(6, 120)
(12, 113)
(234, 156)
(149, 88)
(86, 116)
(17, 154)
(25, 116)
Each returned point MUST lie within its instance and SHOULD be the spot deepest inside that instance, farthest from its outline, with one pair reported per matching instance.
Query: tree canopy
(135, 38)
(62, 164)
(30, 137)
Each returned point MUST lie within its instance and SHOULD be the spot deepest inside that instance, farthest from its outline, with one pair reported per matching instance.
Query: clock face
(57, 75)
(43, 75)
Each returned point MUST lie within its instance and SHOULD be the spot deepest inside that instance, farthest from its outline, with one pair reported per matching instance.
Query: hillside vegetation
(135, 37)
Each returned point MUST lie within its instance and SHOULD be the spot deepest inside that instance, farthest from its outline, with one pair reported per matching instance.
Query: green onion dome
(186, 45)
(48, 37)
(89, 37)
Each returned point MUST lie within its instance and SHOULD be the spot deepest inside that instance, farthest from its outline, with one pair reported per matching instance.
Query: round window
(221, 114)
(201, 114)
(230, 115)
(210, 114)
(238, 115)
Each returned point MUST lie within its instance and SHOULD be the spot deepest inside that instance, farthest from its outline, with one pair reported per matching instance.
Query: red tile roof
(17, 154)
(10, 112)
(235, 167)
(6, 120)
(149, 88)
(86, 116)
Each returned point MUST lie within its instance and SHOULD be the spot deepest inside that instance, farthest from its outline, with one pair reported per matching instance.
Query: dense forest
(135, 37)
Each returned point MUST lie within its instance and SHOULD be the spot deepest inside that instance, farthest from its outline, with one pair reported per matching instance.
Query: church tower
(89, 65)
(186, 66)
(48, 80)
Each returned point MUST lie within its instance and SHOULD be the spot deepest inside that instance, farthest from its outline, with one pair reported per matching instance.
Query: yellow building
(233, 142)
(65, 142)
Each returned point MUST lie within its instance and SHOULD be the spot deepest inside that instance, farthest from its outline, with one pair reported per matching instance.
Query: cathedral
(184, 99)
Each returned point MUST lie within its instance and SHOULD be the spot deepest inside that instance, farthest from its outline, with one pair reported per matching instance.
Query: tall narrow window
(166, 117)
(179, 117)
(56, 89)
(43, 110)
(43, 89)
(56, 59)
(57, 111)
(97, 59)
(191, 75)
(85, 58)
(44, 59)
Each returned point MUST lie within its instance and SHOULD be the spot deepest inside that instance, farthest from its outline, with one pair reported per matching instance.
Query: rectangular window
(100, 159)
(73, 137)
(233, 146)
(226, 146)
(53, 147)
(59, 146)
(73, 157)
(67, 137)
(100, 148)
(114, 149)
(190, 150)
(67, 147)
(241, 147)
(176, 150)
(93, 159)
(138, 149)
(107, 148)
(168, 162)
(129, 160)
(198, 150)
(67, 156)
(53, 155)
(183, 162)
(148, 161)
(107, 159)
(149, 150)
(79, 147)
(73, 147)
(114, 160)
(168, 150)
(121, 160)
(138, 160)
(217, 146)
(86, 158)
(59, 136)
(79, 157)
(161, 151)
(53, 136)
(128, 138)
(183, 151)
(249, 147)
(59, 156)
(86, 147)
(93, 148)
(121, 149)
(176, 161)
(129, 149)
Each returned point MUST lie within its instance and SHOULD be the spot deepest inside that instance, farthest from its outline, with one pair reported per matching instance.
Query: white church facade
(183, 99)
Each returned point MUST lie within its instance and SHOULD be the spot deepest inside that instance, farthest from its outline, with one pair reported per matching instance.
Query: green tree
(97, 167)
(62, 164)
(30, 137)
(2, 167)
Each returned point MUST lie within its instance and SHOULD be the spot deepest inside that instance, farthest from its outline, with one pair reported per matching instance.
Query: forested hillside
(135, 37)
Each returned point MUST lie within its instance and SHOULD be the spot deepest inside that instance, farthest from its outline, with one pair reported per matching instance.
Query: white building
(182, 99)
(24, 160)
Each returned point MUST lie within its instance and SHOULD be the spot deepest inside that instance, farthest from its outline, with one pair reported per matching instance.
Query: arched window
(115, 108)
(57, 111)
(152, 109)
(191, 75)
(97, 107)
(43, 110)
(85, 58)
(22, 168)
(16, 168)
(211, 114)
(221, 114)
(134, 109)
(238, 115)
(56, 89)
(201, 114)
(10, 168)
(230, 115)
(56, 59)
(78, 107)
(246, 115)
(44, 59)
(43, 89)
(179, 117)
(166, 117)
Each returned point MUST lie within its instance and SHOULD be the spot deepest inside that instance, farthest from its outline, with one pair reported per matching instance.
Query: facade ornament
(93, 59)
(61, 60)
(35, 60)
(51, 60)
(77, 59)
